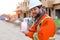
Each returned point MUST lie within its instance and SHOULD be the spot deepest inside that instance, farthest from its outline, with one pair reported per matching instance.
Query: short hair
(39, 6)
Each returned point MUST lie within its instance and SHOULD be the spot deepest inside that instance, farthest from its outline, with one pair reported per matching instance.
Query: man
(44, 27)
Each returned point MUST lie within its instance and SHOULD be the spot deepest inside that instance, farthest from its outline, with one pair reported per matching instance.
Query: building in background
(52, 7)
(56, 6)
(22, 9)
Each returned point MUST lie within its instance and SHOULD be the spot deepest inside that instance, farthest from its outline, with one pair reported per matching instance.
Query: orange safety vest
(47, 29)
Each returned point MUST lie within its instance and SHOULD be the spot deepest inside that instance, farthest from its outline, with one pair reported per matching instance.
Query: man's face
(35, 11)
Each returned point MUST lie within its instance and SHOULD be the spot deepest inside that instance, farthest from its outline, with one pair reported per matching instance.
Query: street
(57, 37)
(9, 31)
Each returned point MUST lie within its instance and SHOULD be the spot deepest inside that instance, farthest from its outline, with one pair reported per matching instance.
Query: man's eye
(34, 8)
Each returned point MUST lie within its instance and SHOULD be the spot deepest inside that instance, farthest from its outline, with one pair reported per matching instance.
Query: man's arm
(31, 31)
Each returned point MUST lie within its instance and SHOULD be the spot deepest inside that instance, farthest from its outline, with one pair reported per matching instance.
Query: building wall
(56, 1)
(24, 8)
(57, 6)
(47, 3)
(56, 9)
(44, 3)
(51, 6)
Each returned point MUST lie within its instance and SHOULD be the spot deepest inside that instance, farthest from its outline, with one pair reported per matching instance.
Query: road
(9, 31)
(57, 37)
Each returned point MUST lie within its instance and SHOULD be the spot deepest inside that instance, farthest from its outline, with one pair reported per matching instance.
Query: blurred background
(14, 12)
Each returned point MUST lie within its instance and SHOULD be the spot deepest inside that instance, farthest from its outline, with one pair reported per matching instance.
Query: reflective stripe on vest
(38, 27)
(35, 36)
(52, 38)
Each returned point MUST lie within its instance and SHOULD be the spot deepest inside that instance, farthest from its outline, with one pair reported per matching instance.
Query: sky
(8, 6)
